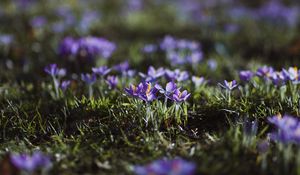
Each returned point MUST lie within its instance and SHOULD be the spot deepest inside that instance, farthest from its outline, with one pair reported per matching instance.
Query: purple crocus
(287, 129)
(38, 21)
(124, 66)
(87, 47)
(54, 71)
(175, 166)
(229, 85)
(112, 81)
(292, 74)
(144, 91)
(176, 75)
(30, 163)
(171, 87)
(198, 81)
(102, 70)
(133, 90)
(149, 48)
(89, 78)
(246, 75)
(264, 72)
(66, 45)
(278, 78)
(179, 96)
(153, 74)
(65, 84)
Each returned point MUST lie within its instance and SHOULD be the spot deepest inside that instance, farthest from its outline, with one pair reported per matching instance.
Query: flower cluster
(86, 47)
(144, 91)
(181, 51)
(30, 163)
(287, 129)
(269, 74)
(173, 93)
(275, 12)
(171, 75)
(175, 166)
(56, 74)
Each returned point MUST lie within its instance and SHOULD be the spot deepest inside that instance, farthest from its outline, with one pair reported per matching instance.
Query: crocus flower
(287, 129)
(89, 78)
(176, 166)
(112, 81)
(153, 74)
(149, 48)
(30, 163)
(102, 70)
(229, 85)
(124, 66)
(38, 21)
(171, 87)
(53, 70)
(87, 47)
(65, 84)
(278, 78)
(246, 75)
(149, 92)
(180, 96)
(144, 91)
(264, 72)
(65, 47)
(292, 74)
(133, 90)
(176, 75)
(198, 81)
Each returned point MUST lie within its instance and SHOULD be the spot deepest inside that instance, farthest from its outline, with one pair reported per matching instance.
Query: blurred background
(240, 32)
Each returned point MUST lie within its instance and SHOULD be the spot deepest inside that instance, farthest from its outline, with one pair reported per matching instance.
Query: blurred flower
(87, 20)
(112, 81)
(149, 48)
(198, 81)
(54, 71)
(102, 70)
(176, 75)
(263, 146)
(278, 78)
(229, 85)
(212, 64)
(176, 166)
(87, 47)
(6, 39)
(264, 72)
(129, 73)
(38, 21)
(275, 12)
(153, 74)
(124, 66)
(66, 45)
(292, 74)
(246, 75)
(181, 51)
(287, 129)
(89, 78)
(65, 84)
(32, 162)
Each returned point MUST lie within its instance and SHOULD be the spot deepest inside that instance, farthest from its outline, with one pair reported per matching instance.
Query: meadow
(149, 87)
